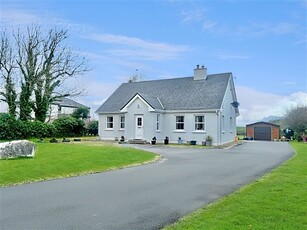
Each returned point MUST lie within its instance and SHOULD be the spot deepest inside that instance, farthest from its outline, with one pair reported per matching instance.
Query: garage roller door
(262, 133)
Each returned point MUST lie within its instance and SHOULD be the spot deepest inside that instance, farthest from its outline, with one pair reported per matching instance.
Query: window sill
(121, 129)
(158, 131)
(109, 129)
(199, 131)
(179, 131)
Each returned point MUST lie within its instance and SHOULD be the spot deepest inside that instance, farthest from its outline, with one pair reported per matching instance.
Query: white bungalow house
(189, 108)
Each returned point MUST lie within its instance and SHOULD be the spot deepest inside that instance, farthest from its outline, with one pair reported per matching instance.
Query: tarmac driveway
(144, 197)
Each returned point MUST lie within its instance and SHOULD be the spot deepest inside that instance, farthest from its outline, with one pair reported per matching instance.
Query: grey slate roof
(152, 101)
(174, 94)
(66, 102)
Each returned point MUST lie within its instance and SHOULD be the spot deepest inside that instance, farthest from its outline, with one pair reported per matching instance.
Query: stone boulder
(14, 149)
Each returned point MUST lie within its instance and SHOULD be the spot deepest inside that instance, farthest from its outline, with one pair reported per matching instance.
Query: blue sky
(263, 43)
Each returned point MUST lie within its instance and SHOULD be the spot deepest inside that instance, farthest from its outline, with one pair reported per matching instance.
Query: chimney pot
(200, 74)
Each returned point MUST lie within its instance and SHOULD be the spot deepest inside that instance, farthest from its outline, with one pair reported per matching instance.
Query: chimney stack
(200, 73)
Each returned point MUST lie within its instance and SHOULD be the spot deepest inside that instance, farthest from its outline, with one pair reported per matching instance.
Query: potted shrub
(65, 140)
(153, 140)
(53, 140)
(122, 139)
(166, 140)
(208, 140)
(180, 140)
(192, 142)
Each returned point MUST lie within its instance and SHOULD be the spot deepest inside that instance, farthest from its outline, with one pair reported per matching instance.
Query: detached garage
(263, 131)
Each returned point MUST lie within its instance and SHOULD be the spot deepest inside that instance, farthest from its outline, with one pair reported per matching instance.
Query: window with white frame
(122, 122)
(110, 122)
(230, 124)
(223, 123)
(158, 122)
(179, 122)
(200, 122)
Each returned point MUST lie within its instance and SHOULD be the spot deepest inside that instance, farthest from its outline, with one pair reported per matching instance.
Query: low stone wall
(14, 149)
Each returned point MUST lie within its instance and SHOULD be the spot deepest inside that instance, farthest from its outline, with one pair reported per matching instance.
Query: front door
(139, 127)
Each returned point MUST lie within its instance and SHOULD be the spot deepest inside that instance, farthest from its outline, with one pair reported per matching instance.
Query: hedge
(13, 129)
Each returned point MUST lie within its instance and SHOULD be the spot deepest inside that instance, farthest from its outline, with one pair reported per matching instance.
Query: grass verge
(69, 159)
(275, 201)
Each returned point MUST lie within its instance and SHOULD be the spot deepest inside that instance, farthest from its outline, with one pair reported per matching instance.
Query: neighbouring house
(60, 107)
(189, 108)
(63, 107)
(263, 131)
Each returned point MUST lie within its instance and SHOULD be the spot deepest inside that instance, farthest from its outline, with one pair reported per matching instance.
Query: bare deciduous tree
(58, 64)
(28, 60)
(44, 63)
(7, 67)
(296, 118)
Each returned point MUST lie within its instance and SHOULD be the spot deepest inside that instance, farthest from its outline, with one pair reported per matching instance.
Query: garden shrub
(38, 129)
(10, 128)
(79, 129)
(93, 128)
(69, 127)
(13, 129)
(298, 136)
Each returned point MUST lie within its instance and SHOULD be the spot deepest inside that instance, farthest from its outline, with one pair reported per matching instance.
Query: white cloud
(256, 29)
(137, 42)
(18, 17)
(208, 25)
(11, 17)
(193, 15)
(289, 83)
(283, 28)
(225, 56)
(255, 105)
(139, 48)
(300, 42)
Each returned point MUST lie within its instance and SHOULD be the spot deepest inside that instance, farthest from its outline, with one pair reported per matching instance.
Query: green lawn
(69, 159)
(276, 201)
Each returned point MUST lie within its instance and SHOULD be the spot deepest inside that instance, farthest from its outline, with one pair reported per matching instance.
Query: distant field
(61, 160)
(241, 131)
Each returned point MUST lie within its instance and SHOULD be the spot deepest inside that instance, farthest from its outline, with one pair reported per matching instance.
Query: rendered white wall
(228, 130)
(189, 133)
(110, 134)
